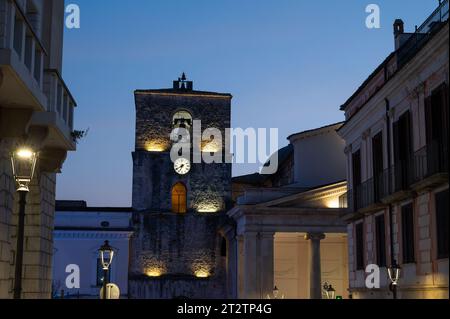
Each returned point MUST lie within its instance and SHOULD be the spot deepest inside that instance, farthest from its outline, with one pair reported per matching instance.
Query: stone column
(7, 191)
(315, 267)
(251, 266)
(232, 262)
(258, 265)
(267, 264)
(240, 266)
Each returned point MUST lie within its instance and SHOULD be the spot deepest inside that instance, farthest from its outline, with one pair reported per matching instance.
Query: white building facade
(396, 135)
(289, 230)
(36, 110)
(79, 233)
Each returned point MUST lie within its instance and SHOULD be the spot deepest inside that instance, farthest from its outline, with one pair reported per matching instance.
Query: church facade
(179, 208)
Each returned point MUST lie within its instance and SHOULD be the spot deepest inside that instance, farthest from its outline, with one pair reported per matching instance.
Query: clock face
(182, 166)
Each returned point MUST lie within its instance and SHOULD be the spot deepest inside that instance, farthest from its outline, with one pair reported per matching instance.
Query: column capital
(391, 113)
(266, 234)
(366, 134)
(348, 149)
(315, 236)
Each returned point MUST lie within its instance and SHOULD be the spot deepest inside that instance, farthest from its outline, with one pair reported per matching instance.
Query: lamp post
(23, 163)
(106, 257)
(394, 276)
(275, 294)
(330, 292)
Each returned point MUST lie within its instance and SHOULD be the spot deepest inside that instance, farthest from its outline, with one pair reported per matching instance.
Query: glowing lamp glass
(106, 255)
(202, 274)
(23, 162)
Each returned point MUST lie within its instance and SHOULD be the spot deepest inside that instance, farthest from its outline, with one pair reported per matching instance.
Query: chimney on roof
(399, 27)
(400, 36)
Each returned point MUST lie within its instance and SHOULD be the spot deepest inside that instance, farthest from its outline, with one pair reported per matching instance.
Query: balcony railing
(20, 37)
(371, 191)
(430, 160)
(60, 100)
(423, 164)
(422, 33)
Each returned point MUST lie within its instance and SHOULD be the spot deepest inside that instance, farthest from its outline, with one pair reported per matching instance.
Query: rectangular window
(359, 246)
(380, 240)
(437, 130)
(442, 211)
(403, 152)
(18, 36)
(100, 273)
(357, 179)
(377, 155)
(408, 234)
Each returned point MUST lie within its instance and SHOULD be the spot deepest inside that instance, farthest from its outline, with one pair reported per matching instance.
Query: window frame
(359, 246)
(380, 236)
(179, 209)
(441, 227)
(408, 234)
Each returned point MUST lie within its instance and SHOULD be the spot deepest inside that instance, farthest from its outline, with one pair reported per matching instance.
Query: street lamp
(330, 292)
(394, 276)
(275, 294)
(106, 257)
(23, 162)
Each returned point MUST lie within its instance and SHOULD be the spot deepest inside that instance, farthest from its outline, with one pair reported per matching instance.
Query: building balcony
(430, 166)
(60, 112)
(367, 196)
(21, 60)
(422, 34)
(30, 95)
(427, 168)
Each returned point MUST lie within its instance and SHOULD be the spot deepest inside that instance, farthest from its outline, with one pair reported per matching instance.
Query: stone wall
(427, 278)
(38, 241)
(169, 251)
(6, 209)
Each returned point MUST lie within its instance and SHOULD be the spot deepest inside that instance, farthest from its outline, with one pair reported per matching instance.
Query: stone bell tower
(179, 207)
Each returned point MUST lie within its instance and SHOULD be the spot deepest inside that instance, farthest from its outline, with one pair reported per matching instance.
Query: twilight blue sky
(289, 64)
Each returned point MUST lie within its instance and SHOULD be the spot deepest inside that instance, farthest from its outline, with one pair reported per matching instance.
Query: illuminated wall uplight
(211, 148)
(208, 207)
(156, 146)
(154, 272)
(202, 273)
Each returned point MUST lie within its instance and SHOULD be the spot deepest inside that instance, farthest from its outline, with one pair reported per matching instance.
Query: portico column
(232, 263)
(267, 264)
(315, 267)
(251, 266)
(258, 265)
(240, 267)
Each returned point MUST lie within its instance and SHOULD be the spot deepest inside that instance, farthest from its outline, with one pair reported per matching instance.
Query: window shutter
(359, 246)
(380, 240)
(445, 113)
(428, 120)
(442, 212)
(408, 234)
(396, 142)
(409, 135)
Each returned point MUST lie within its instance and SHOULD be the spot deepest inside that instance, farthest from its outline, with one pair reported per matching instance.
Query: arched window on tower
(179, 198)
(181, 125)
(182, 119)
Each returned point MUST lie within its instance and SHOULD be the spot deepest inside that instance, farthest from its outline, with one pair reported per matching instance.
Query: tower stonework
(179, 208)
